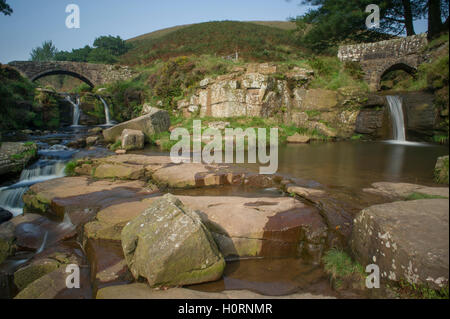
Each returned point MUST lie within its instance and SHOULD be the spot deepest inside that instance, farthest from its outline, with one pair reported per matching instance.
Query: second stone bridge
(379, 58)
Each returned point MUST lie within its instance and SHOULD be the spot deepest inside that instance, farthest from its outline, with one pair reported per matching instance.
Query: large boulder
(262, 226)
(132, 139)
(169, 246)
(155, 121)
(408, 240)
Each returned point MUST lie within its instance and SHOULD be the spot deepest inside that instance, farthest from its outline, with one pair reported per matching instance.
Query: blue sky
(36, 21)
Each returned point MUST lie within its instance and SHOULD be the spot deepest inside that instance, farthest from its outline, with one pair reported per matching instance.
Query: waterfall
(76, 110)
(42, 170)
(398, 121)
(107, 114)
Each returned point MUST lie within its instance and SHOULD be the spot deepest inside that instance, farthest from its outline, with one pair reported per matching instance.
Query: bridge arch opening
(63, 72)
(397, 77)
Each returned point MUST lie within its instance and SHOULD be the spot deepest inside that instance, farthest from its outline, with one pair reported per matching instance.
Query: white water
(76, 110)
(42, 170)
(107, 113)
(398, 120)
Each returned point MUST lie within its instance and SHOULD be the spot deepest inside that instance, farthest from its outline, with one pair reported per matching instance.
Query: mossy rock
(169, 246)
(28, 274)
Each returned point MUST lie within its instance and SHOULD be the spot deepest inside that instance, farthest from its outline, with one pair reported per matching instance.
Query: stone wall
(92, 74)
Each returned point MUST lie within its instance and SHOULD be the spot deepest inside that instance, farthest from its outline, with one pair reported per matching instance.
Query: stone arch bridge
(378, 58)
(92, 74)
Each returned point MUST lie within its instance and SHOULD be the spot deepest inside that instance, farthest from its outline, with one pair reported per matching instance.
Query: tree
(5, 8)
(333, 21)
(77, 55)
(106, 50)
(114, 45)
(436, 11)
(46, 52)
(101, 55)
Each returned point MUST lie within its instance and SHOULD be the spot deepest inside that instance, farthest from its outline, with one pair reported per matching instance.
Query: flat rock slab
(81, 194)
(196, 175)
(165, 173)
(143, 291)
(408, 240)
(403, 190)
(262, 226)
(110, 221)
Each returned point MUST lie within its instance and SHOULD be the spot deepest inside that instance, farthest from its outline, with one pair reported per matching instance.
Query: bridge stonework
(92, 74)
(380, 57)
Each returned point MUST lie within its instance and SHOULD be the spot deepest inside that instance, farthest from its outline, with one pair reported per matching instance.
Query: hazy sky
(33, 22)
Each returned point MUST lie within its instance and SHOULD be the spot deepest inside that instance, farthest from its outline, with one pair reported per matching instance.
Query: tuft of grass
(342, 269)
(356, 137)
(69, 170)
(417, 196)
(440, 139)
(117, 145)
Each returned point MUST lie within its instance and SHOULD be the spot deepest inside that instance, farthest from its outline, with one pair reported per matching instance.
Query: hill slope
(284, 25)
(254, 41)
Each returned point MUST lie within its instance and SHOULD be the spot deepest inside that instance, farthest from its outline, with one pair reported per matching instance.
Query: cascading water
(76, 110)
(51, 165)
(107, 113)
(398, 120)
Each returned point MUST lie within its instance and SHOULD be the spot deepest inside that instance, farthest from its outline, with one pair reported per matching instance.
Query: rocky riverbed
(220, 213)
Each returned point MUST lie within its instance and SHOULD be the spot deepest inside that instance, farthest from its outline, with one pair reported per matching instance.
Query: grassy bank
(284, 131)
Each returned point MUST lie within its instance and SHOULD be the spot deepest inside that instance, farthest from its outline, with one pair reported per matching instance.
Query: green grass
(416, 196)
(69, 170)
(30, 153)
(332, 74)
(117, 145)
(413, 291)
(356, 137)
(341, 268)
(284, 131)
